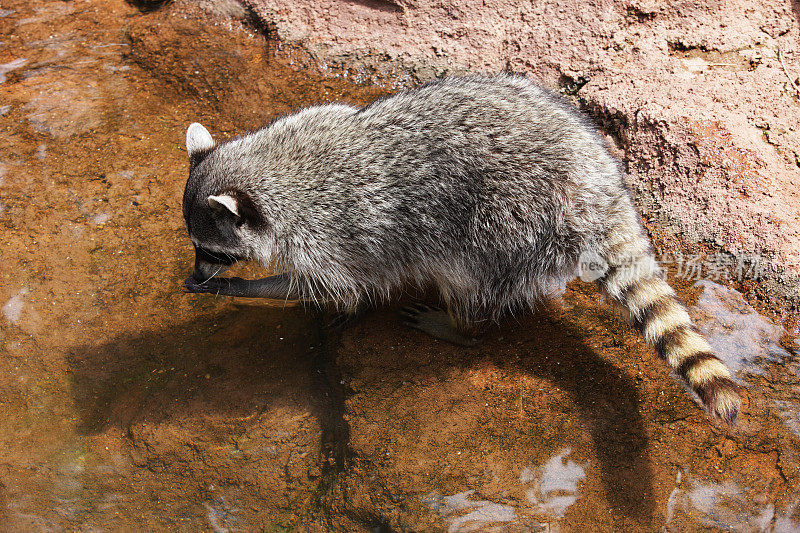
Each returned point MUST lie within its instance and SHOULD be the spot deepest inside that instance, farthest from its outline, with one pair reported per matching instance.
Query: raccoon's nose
(204, 270)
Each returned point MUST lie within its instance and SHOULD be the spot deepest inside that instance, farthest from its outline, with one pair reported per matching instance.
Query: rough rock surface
(692, 92)
(130, 406)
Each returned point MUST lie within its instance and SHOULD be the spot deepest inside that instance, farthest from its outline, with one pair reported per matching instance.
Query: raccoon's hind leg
(437, 323)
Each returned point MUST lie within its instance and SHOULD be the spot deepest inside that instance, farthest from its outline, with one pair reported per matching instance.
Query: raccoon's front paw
(192, 285)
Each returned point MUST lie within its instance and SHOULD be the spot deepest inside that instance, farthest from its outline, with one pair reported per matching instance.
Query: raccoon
(488, 188)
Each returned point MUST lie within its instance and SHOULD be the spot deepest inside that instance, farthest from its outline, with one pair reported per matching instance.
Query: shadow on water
(234, 363)
(604, 398)
(252, 358)
(608, 403)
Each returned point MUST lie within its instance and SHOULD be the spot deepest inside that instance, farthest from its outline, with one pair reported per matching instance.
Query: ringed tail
(634, 281)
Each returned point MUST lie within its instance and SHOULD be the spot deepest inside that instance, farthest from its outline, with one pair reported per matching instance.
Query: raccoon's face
(217, 243)
(222, 219)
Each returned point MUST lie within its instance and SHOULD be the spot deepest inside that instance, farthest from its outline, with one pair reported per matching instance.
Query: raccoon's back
(498, 115)
(494, 161)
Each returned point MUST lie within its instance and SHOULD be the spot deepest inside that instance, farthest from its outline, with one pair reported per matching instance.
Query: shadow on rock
(215, 374)
(238, 364)
(236, 407)
(531, 388)
(608, 402)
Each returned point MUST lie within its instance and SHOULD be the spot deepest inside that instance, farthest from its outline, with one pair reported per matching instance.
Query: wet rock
(508, 431)
(5, 68)
(239, 458)
(12, 309)
(225, 68)
(130, 406)
(752, 346)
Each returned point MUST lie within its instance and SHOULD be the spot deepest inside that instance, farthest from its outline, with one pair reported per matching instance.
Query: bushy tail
(634, 280)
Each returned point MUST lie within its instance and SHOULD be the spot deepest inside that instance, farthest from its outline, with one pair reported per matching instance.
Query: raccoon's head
(222, 219)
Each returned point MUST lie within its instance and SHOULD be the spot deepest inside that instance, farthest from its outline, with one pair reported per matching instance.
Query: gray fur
(486, 188)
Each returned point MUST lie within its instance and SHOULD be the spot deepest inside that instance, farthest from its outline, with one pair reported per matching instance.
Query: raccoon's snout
(208, 264)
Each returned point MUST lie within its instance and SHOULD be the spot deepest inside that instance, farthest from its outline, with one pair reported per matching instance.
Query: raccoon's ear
(240, 204)
(198, 140)
(224, 201)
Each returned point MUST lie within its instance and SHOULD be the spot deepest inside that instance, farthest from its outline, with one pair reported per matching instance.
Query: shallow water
(128, 405)
(755, 348)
